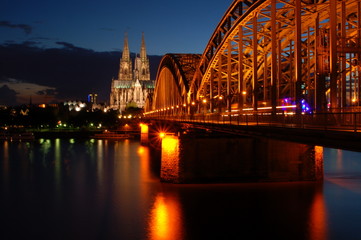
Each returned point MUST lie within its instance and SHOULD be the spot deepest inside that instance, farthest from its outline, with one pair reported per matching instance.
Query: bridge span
(279, 69)
(289, 60)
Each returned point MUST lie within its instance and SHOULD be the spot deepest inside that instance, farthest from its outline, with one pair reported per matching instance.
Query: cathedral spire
(143, 51)
(126, 54)
(125, 68)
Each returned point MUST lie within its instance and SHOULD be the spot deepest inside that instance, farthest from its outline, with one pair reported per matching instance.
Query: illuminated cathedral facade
(133, 84)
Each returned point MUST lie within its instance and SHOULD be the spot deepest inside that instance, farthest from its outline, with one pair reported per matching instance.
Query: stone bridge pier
(198, 157)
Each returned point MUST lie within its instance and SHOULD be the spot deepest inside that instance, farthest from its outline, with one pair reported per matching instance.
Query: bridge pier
(144, 134)
(208, 159)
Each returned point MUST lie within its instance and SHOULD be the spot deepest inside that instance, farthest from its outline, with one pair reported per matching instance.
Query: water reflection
(166, 218)
(100, 159)
(44, 150)
(57, 163)
(339, 159)
(97, 189)
(318, 218)
(145, 173)
(5, 163)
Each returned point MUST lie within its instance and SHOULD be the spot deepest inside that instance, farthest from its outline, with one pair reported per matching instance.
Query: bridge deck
(320, 131)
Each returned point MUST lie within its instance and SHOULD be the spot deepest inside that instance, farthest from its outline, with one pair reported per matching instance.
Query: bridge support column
(192, 160)
(144, 134)
(171, 170)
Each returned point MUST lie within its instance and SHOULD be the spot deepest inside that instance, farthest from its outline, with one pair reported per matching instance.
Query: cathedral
(133, 84)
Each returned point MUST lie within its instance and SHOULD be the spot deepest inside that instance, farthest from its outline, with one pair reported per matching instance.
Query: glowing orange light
(162, 135)
(184, 105)
(244, 92)
(141, 150)
(170, 143)
(204, 100)
(318, 226)
(144, 128)
(170, 168)
(166, 218)
(193, 103)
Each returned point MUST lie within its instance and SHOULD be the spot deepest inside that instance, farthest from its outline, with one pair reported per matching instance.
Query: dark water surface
(99, 189)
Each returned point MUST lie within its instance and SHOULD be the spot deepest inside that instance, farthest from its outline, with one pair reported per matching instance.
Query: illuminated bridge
(281, 63)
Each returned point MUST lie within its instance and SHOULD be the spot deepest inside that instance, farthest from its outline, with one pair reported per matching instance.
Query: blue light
(305, 107)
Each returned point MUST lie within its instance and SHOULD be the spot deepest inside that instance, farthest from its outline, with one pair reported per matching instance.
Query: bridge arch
(172, 85)
(268, 53)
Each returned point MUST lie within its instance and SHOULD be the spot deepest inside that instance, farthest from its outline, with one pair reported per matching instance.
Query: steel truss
(265, 54)
(172, 85)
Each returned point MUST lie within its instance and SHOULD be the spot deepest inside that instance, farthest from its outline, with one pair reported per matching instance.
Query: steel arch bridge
(269, 55)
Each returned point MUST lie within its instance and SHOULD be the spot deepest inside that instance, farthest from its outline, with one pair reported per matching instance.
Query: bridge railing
(336, 121)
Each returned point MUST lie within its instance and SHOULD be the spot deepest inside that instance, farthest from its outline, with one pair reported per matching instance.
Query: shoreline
(79, 134)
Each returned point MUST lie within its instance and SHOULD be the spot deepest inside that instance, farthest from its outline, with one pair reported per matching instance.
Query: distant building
(133, 85)
(92, 98)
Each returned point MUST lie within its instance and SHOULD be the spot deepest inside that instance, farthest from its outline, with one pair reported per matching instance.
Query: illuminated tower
(133, 85)
(141, 68)
(125, 68)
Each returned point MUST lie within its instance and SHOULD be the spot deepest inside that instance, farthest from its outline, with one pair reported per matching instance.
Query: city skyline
(53, 52)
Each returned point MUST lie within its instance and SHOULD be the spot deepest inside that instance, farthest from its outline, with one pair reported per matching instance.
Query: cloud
(43, 39)
(47, 92)
(66, 45)
(66, 73)
(7, 96)
(26, 28)
(72, 47)
(24, 91)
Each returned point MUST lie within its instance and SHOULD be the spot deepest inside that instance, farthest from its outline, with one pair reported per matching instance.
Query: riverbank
(60, 133)
(75, 134)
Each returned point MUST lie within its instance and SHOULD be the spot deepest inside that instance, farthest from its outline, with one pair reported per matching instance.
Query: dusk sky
(169, 26)
(95, 27)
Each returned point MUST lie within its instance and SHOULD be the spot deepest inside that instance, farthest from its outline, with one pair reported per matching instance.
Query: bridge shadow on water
(202, 156)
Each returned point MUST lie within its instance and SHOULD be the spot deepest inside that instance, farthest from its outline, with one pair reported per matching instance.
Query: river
(101, 189)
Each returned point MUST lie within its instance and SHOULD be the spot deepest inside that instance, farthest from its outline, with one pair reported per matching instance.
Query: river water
(100, 189)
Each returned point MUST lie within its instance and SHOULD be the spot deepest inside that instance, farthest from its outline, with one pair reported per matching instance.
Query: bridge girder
(263, 52)
(173, 77)
(268, 53)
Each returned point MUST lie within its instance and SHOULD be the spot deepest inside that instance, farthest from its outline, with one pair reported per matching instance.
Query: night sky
(52, 51)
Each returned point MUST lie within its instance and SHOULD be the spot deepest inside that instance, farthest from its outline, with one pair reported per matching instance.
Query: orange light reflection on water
(318, 223)
(145, 172)
(166, 219)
